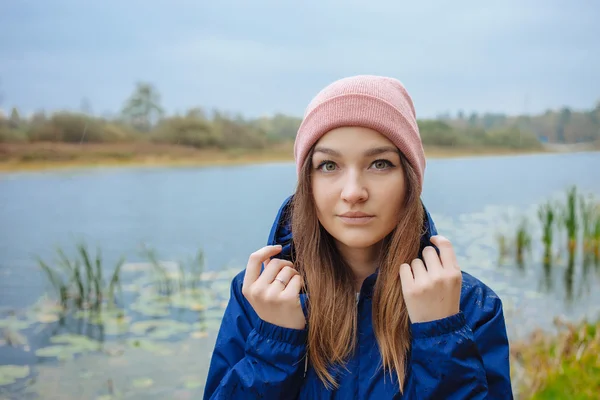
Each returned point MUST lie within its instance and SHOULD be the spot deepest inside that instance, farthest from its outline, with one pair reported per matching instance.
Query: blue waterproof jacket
(464, 356)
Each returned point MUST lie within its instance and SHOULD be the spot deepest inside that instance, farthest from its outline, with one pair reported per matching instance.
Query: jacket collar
(281, 233)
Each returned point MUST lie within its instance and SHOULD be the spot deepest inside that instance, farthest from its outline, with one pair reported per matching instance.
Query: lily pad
(86, 375)
(199, 334)
(150, 346)
(14, 323)
(142, 383)
(136, 267)
(193, 383)
(130, 287)
(60, 352)
(221, 287)
(191, 302)
(47, 305)
(98, 316)
(14, 338)
(214, 314)
(530, 294)
(67, 346)
(81, 341)
(207, 325)
(150, 309)
(116, 328)
(160, 329)
(114, 321)
(11, 373)
(44, 311)
(47, 318)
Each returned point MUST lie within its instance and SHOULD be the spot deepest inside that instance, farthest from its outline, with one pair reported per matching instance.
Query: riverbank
(561, 366)
(48, 155)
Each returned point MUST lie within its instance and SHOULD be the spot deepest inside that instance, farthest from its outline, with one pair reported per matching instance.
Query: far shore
(48, 156)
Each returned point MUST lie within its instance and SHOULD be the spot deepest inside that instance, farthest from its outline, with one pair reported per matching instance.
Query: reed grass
(80, 281)
(588, 211)
(570, 219)
(523, 241)
(596, 231)
(577, 219)
(503, 247)
(187, 276)
(546, 214)
(161, 276)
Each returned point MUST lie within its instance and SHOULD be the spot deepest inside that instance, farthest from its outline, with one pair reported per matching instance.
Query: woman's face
(358, 185)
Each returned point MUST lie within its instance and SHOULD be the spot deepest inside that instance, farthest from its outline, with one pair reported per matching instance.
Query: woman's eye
(382, 164)
(327, 166)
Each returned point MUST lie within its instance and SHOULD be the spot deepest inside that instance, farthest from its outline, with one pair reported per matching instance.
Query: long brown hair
(332, 317)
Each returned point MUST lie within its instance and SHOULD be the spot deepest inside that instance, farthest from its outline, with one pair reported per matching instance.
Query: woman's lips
(356, 218)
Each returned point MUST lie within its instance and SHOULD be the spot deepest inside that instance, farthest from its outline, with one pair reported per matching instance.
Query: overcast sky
(260, 57)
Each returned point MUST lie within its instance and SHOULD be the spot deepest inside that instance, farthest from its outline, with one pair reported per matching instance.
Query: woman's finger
(419, 271)
(271, 270)
(294, 286)
(406, 277)
(432, 261)
(255, 263)
(447, 254)
(284, 276)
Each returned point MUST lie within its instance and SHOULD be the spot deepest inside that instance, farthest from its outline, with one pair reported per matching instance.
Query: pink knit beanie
(375, 102)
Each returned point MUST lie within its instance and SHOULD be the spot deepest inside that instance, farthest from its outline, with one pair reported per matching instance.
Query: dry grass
(46, 155)
(565, 366)
(34, 156)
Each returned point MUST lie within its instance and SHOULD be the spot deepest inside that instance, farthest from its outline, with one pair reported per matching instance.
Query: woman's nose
(354, 190)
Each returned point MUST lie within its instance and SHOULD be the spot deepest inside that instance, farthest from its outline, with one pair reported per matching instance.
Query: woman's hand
(432, 290)
(274, 294)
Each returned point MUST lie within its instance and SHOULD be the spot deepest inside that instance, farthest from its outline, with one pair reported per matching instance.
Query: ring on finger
(282, 282)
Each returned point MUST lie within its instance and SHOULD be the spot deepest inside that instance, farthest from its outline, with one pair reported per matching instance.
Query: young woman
(356, 296)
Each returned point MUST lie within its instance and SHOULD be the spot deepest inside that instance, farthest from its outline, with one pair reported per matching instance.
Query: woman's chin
(357, 240)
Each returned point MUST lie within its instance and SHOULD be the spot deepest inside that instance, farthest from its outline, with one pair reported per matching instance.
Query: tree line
(143, 119)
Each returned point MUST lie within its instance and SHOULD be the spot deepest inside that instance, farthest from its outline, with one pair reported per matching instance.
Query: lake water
(227, 212)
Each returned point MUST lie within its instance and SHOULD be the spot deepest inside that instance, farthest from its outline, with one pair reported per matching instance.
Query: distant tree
(473, 119)
(445, 116)
(196, 112)
(85, 106)
(143, 109)
(563, 119)
(186, 131)
(14, 119)
(594, 114)
(38, 117)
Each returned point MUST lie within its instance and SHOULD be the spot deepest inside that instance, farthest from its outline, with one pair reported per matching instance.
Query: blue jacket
(464, 356)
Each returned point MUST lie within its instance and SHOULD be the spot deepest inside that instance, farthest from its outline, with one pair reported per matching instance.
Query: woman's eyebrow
(369, 153)
(380, 150)
(328, 151)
